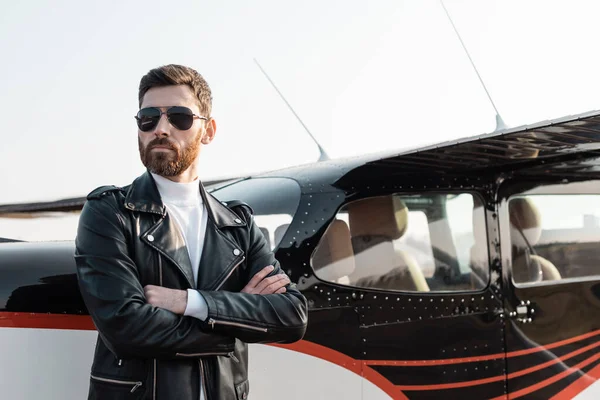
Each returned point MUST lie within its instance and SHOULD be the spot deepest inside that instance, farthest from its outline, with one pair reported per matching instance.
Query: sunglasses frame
(194, 116)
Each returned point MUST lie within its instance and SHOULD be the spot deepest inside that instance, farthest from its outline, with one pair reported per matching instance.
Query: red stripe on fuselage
(552, 379)
(356, 366)
(526, 371)
(488, 357)
(46, 321)
(579, 385)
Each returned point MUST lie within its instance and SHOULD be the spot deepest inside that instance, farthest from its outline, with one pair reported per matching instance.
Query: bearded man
(176, 282)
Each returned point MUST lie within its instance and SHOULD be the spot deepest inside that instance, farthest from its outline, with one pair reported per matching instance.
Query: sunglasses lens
(147, 118)
(181, 118)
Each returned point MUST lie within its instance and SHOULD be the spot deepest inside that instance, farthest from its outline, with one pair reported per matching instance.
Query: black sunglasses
(181, 118)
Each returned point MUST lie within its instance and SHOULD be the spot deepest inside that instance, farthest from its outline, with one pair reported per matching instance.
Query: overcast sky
(363, 76)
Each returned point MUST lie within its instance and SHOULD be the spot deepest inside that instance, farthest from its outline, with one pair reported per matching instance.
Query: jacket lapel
(165, 236)
(219, 256)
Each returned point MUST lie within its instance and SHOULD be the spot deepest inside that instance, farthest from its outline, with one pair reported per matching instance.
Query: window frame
(474, 193)
(584, 187)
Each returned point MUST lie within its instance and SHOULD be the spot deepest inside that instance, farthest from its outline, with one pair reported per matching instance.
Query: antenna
(323, 155)
(499, 122)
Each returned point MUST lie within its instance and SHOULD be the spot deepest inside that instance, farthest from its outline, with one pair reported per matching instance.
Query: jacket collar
(143, 196)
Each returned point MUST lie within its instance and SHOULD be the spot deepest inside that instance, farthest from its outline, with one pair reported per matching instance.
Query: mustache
(161, 142)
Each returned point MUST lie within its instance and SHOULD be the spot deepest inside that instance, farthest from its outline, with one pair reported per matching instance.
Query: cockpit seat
(279, 232)
(525, 232)
(333, 259)
(265, 233)
(375, 223)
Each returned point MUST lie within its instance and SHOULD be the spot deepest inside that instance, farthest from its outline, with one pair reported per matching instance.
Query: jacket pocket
(102, 388)
(242, 390)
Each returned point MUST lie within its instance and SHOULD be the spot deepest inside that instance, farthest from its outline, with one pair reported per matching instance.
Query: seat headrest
(525, 220)
(378, 216)
(333, 257)
(265, 233)
(279, 232)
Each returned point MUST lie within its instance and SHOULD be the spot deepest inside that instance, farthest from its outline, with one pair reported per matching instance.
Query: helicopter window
(273, 200)
(433, 242)
(554, 237)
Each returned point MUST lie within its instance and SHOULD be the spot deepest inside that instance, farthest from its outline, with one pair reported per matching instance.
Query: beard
(171, 163)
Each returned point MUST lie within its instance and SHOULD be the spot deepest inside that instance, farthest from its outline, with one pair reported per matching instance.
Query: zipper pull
(137, 385)
(233, 357)
(120, 362)
(212, 323)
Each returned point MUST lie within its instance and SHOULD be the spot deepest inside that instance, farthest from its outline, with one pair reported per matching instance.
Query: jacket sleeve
(109, 283)
(252, 318)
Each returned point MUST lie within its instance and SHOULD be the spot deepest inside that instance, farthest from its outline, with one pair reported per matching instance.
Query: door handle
(523, 313)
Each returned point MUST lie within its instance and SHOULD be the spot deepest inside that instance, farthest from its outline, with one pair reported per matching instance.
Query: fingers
(267, 282)
(263, 284)
(256, 279)
(151, 294)
(148, 288)
(272, 284)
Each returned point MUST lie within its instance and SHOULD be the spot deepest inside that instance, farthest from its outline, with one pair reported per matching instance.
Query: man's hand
(170, 299)
(261, 285)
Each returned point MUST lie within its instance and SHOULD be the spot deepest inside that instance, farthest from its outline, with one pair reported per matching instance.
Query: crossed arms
(148, 322)
(175, 300)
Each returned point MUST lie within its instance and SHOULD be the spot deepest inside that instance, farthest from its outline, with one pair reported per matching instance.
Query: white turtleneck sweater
(184, 204)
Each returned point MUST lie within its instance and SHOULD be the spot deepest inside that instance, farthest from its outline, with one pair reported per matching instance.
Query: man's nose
(163, 128)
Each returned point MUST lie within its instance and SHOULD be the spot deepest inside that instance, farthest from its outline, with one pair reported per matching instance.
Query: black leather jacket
(126, 240)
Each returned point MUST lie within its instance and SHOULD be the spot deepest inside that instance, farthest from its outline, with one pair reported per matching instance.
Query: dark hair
(173, 74)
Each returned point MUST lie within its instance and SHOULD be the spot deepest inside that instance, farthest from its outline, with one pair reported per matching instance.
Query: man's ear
(211, 130)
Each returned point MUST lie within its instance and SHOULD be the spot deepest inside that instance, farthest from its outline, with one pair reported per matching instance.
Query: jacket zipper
(213, 321)
(154, 382)
(160, 272)
(230, 272)
(202, 382)
(160, 282)
(119, 382)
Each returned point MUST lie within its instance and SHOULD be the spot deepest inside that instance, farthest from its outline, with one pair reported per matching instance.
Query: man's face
(166, 150)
